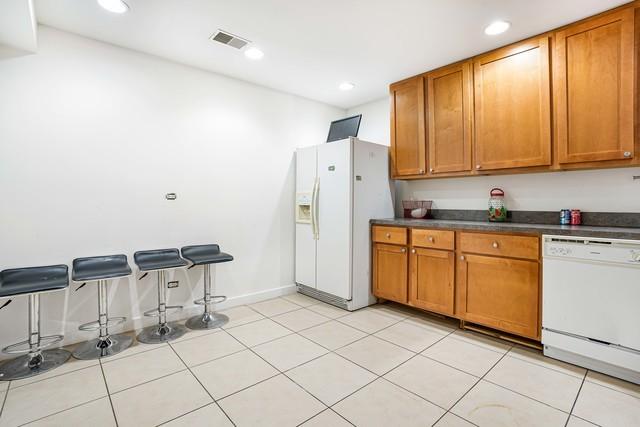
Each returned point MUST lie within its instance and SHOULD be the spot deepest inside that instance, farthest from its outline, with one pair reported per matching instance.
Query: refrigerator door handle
(314, 209)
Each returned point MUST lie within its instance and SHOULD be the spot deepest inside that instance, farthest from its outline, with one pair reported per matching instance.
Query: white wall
(605, 190)
(92, 136)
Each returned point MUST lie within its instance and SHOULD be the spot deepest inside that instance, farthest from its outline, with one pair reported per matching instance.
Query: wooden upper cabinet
(450, 95)
(408, 141)
(513, 106)
(390, 264)
(594, 89)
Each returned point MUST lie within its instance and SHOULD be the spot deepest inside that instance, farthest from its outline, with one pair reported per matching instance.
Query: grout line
(149, 381)
(186, 413)
(521, 359)
(4, 399)
(576, 399)
(51, 377)
(106, 385)
(63, 410)
(202, 385)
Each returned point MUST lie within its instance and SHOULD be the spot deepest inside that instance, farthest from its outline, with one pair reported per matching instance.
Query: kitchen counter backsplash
(593, 219)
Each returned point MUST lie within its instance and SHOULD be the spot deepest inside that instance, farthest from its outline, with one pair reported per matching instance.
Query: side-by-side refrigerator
(340, 186)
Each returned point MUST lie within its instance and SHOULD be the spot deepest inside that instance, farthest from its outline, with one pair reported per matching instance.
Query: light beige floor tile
(135, 348)
(545, 385)
(4, 385)
(395, 311)
(95, 414)
(273, 307)
(330, 378)
(159, 401)
(607, 407)
(328, 310)
(614, 383)
(490, 405)
(240, 315)
(384, 404)
(290, 351)
(470, 358)
(375, 354)
(70, 366)
(258, 332)
(536, 356)
(409, 336)
(210, 415)
(482, 341)
(191, 334)
(368, 321)
(52, 395)
(333, 335)
(275, 402)
(435, 324)
(300, 319)
(451, 420)
(432, 380)
(301, 300)
(578, 422)
(230, 374)
(327, 418)
(208, 347)
(137, 369)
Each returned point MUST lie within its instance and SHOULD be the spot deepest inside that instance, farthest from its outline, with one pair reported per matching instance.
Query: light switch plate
(173, 284)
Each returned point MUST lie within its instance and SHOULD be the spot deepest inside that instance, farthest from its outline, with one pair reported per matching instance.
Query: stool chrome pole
(37, 360)
(105, 345)
(163, 331)
(209, 319)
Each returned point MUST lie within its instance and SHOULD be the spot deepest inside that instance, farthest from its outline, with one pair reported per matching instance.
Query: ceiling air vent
(229, 39)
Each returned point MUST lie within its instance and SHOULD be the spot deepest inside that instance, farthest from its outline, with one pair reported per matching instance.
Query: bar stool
(206, 255)
(160, 260)
(33, 281)
(100, 269)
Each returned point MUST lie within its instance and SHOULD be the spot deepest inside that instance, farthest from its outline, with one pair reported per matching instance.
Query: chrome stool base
(18, 368)
(97, 348)
(158, 334)
(207, 321)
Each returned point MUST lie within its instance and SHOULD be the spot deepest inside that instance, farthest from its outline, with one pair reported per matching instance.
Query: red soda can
(576, 217)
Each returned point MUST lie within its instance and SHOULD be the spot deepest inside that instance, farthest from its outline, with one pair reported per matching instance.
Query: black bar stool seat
(100, 269)
(33, 281)
(160, 260)
(206, 255)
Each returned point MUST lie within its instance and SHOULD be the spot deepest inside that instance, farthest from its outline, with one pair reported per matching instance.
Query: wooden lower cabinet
(431, 280)
(502, 293)
(390, 263)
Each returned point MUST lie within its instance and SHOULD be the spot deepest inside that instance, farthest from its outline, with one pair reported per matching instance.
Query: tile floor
(295, 361)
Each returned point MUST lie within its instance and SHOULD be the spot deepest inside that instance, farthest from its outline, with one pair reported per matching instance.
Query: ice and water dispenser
(303, 208)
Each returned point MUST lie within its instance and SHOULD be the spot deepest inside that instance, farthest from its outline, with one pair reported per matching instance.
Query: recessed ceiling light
(497, 27)
(115, 6)
(346, 86)
(253, 53)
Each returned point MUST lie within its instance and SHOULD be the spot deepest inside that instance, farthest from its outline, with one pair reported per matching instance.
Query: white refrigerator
(340, 186)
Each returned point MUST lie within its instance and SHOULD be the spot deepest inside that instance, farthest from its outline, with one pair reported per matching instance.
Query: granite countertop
(564, 230)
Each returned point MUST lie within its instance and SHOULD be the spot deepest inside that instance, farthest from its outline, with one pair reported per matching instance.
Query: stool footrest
(42, 344)
(217, 299)
(154, 312)
(95, 325)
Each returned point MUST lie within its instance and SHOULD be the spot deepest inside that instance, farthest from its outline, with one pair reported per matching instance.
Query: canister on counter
(576, 217)
(565, 217)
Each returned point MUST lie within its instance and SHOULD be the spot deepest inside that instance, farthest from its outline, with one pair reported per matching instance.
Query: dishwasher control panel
(593, 249)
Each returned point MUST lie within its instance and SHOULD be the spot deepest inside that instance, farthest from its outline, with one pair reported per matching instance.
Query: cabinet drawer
(392, 235)
(500, 245)
(436, 239)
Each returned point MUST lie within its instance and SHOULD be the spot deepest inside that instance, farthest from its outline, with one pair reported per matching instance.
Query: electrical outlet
(173, 284)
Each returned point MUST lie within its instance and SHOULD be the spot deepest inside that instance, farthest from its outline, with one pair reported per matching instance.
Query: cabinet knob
(388, 235)
(413, 251)
(421, 171)
(403, 250)
(495, 245)
(462, 258)
(430, 238)
(478, 166)
(627, 154)
(431, 170)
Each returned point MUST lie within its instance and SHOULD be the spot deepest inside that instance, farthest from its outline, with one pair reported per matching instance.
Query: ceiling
(312, 46)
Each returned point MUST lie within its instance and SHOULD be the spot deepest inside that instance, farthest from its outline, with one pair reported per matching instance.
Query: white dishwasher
(591, 303)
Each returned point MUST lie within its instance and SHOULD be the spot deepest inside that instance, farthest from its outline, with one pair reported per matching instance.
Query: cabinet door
(593, 80)
(513, 106)
(449, 94)
(408, 139)
(500, 293)
(432, 279)
(390, 272)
